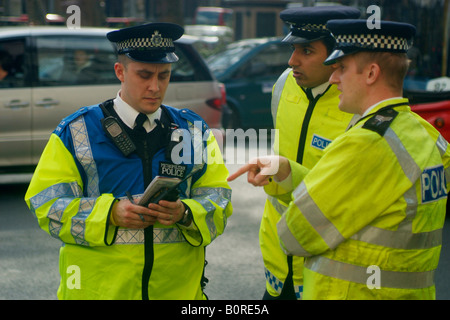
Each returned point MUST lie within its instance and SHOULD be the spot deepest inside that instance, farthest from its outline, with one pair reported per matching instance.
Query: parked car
(46, 85)
(213, 16)
(249, 69)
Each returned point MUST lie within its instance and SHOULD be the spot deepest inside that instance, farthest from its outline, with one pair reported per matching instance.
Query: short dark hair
(329, 43)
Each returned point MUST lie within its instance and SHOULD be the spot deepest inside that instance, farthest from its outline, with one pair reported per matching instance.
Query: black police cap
(150, 43)
(309, 23)
(356, 35)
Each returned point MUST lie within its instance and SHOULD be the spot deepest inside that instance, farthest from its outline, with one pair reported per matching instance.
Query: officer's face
(307, 64)
(144, 85)
(350, 81)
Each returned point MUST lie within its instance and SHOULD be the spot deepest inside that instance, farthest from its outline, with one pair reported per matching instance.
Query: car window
(269, 62)
(190, 66)
(12, 64)
(63, 61)
(221, 61)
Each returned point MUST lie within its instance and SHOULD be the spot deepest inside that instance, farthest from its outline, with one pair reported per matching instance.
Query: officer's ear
(373, 72)
(119, 69)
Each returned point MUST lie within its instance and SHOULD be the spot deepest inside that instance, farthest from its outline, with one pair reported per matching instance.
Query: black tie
(306, 120)
(141, 118)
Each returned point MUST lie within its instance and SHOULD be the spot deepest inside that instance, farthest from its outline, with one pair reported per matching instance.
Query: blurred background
(242, 18)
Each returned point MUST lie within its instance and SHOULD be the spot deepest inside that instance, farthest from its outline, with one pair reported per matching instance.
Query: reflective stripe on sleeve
(279, 207)
(206, 197)
(59, 190)
(327, 230)
(289, 243)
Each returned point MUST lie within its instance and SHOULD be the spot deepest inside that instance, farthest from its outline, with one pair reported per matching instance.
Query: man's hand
(128, 215)
(167, 212)
(260, 170)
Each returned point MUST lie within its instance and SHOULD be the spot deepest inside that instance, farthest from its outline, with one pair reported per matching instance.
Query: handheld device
(165, 193)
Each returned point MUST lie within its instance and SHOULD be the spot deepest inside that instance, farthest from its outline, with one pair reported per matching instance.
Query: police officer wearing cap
(368, 217)
(306, 119)
(96, 167)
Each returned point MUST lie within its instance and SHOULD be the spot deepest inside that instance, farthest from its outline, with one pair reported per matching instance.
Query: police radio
(115, 132)
(120, 138)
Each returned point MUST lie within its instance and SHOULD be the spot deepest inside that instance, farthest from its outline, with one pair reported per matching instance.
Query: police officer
(306, 119)
(114, 248)
(368, 217)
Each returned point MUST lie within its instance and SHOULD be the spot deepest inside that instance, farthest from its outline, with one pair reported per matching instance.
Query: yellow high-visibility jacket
(368, 217)
(81, 174)
(303, 130)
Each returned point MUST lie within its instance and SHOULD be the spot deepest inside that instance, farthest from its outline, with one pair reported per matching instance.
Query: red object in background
(436, 113)
(433, 106)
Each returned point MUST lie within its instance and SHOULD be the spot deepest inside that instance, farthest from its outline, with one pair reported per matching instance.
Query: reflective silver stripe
(442, 145)
(64, 193)
(290, 245)
(160, 236)
(59, 190)
(219, 196)
(410, 168)
(327, 230)
(79, 220)
(359, 274)
(277, 284)
(279, 207)
(84, 155)
(276, 95)
(55, 216)
(400, 239)
(403, 237)
(136, 236)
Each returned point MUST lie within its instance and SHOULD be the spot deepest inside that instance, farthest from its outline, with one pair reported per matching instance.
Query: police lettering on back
(433, 184)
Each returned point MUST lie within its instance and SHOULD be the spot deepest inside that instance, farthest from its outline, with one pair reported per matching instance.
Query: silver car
(45, 85)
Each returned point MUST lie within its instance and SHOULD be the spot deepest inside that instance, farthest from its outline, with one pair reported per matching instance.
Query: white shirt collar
(368, 110)
(320, 89)
(128, 114)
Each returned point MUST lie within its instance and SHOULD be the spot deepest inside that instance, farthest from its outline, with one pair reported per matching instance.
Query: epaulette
(381, 121)
(190, 116)
(67, 120)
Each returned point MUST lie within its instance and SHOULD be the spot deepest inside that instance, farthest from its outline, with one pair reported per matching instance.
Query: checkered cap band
(310, 27)
(373, 41)
(155, 42)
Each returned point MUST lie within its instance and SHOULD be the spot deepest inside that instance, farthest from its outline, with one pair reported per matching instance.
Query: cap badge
(156, 39)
